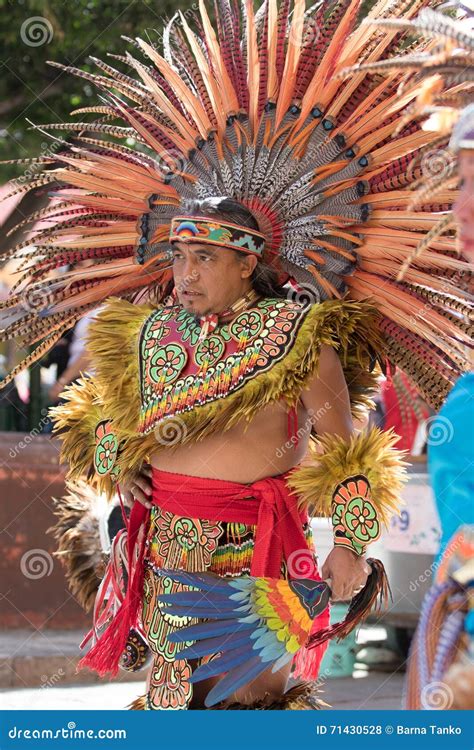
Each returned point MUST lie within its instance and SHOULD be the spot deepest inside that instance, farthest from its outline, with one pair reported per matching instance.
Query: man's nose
(190, 269)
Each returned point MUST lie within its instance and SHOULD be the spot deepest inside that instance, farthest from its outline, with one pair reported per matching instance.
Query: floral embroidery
(167, 362)
(106, 449)
(354, 515)
(177, 373)
(250, 322)
(189, 328)
(210, 350)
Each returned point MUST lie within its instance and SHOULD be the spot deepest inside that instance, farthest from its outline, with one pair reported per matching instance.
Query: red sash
(266, 503)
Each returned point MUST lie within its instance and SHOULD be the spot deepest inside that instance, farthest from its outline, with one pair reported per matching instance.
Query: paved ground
(376, 691)
(38, 670)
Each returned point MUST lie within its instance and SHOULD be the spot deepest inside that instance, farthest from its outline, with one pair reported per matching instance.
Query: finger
(143, 484)
(139, 495)
(145, 502)
(337, 592)
(357, 588)
(147, 469)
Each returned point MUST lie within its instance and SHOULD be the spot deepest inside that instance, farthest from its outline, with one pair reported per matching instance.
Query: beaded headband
(214, 232)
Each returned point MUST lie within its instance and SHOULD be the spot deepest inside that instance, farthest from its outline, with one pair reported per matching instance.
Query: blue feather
(207, 630)
(263, 630)
(190, 598)
(235, 679)
(222, 663)
(272, 651)
(243, 583)
(240, 596)
(206, 582)
(250, 618)
(214, 645)
(282, 661)
(265, 639)
(201, 612)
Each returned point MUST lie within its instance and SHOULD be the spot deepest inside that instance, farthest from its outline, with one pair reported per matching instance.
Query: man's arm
(328, 405)
(327, 397)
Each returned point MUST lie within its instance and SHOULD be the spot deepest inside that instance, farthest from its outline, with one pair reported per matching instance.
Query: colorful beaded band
(212, 232)
(354, 515)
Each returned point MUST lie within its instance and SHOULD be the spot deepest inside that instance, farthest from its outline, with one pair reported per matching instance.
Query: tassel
(105, 655)
(307, 660)
(376, 588)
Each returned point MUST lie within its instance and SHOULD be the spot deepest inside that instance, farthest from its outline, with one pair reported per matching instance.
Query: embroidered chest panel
(178, 373)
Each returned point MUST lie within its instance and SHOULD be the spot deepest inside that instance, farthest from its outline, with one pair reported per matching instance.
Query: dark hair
(264, 278)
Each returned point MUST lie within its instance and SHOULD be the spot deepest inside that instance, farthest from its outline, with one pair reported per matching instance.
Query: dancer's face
(464, 206)
(217, 274)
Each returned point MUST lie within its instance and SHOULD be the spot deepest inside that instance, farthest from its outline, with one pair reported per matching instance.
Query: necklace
(209, 322)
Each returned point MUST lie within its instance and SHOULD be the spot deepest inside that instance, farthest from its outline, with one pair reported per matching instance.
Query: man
(217, 286)
(209, 280)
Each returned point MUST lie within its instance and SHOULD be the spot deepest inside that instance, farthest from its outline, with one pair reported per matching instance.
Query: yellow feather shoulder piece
(75, 422)
(370, 453)
(113, 343)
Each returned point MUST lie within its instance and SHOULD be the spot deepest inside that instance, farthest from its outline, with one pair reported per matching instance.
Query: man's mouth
(191, 294)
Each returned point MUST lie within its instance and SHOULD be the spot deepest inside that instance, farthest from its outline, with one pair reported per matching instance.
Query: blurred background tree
(65, 31)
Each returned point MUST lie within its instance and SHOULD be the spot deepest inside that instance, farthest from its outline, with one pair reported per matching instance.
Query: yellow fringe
(370, 453)
(74, 422)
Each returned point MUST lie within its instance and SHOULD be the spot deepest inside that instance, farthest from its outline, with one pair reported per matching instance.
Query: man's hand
(138, 488)
(348, 573)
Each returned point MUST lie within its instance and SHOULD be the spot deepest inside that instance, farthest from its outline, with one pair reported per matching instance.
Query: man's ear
(249, 263)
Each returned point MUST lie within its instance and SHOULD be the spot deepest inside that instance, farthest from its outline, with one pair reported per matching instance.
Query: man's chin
(197, 305)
